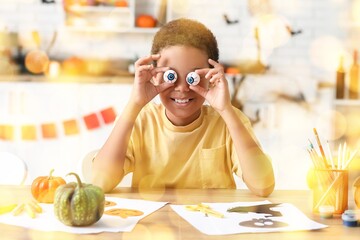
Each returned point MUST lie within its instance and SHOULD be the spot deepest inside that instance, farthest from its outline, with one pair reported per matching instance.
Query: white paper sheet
(47, 221)
(292, 219)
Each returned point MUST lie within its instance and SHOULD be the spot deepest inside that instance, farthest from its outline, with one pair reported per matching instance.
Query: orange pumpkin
(73, 66)
(43, 188)
(145, 21)
(121, 3)
(36, 61)
(232, 70)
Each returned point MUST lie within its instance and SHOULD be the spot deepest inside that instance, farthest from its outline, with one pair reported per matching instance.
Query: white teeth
(181, 100)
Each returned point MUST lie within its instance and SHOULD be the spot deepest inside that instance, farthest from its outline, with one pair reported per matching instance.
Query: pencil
(320, 147)
(339, 160)
(330, 155)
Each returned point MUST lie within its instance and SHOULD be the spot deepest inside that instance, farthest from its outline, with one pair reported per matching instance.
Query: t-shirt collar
(188, 128)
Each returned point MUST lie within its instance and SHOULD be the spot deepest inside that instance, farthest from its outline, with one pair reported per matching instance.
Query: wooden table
(165, 224)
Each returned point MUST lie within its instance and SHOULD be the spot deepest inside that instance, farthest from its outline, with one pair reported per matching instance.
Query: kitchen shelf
(100, 9)
(100, 18)
(125, 78)
(346, 102)
(104, 29)
(106, 19)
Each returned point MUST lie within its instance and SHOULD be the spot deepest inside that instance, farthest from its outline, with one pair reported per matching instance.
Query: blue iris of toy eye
(170, 76)
(193, 78)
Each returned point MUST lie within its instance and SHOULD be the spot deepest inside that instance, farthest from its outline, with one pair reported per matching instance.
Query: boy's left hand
(217, 93)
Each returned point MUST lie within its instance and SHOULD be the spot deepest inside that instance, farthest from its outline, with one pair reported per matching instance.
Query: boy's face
(183, 105)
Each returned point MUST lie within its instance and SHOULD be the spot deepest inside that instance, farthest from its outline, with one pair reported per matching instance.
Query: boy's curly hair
(186, 32)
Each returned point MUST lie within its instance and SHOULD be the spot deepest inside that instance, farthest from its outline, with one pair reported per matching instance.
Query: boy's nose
(181, 85)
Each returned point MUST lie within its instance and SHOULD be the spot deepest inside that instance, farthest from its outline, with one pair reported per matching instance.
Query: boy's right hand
(144, 89)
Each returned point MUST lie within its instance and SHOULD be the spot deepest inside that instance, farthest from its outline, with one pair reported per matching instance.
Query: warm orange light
(325, 52)
(334, 120)
(310, 178)
(36, 61)
(353, 119)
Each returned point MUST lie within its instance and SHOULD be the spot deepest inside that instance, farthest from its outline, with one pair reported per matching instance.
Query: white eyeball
(170, 76)
(193, 78)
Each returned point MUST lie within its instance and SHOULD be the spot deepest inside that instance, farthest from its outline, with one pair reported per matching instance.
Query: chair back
(86, 165)
(13, 170)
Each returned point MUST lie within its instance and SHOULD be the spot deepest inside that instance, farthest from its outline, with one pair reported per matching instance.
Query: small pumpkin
(145, 21)
(73, 66)
(121, 3)
(79, 204)
(43, 188)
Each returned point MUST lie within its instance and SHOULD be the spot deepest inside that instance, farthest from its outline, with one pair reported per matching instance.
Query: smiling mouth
(182, 101)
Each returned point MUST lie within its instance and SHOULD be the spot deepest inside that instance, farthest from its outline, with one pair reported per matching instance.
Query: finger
(211, 73)
(203, 71)
(214, 71)
(216, 78)
(163, 86)
(199, 90)
(214, 63)
(157, 70)
(146, 60)
(157, 74)
(143, 68)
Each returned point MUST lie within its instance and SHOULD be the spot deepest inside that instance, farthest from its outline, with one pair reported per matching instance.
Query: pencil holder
(330, 189)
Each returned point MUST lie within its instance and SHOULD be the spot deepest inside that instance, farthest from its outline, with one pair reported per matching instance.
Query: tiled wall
(316, 19)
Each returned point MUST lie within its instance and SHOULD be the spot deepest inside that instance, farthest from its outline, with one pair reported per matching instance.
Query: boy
(182, 143)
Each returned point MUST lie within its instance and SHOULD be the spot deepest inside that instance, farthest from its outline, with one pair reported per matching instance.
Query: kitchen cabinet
(116, 19)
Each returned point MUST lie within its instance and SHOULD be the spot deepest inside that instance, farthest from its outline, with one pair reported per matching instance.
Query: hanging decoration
(50, 130)
(6, 132)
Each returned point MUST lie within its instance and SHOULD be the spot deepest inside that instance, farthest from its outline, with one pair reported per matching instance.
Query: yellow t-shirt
(199, 155)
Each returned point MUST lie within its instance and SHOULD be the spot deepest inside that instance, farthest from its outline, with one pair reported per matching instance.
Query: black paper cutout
(263, 208)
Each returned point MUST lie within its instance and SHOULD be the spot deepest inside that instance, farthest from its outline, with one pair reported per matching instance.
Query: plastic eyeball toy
(170, 76)
(193, 78)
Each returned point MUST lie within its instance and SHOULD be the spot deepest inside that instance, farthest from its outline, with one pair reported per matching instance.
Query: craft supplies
(326, 211)
(330, 183)
(350, 218)
(124, 212)
(330, 189)
(204, 209)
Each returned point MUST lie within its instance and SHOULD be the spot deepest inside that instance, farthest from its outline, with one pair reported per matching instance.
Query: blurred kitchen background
(66, 71)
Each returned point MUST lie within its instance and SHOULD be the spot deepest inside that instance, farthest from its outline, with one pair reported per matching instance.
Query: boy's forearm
(108, 165)
(256, 166)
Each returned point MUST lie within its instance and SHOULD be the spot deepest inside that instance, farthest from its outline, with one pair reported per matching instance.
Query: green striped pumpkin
(79, 204)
